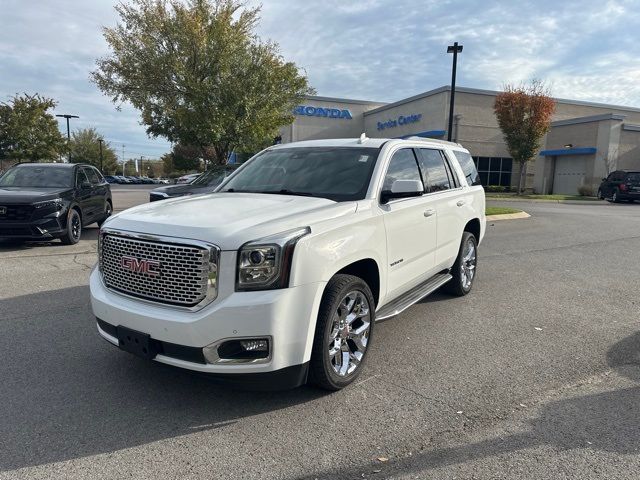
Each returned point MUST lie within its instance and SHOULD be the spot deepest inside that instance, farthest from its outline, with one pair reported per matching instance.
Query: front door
(410, 225)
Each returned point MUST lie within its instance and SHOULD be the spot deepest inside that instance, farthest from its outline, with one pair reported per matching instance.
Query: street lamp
(67, 116)
(455, 49)
(100, 140)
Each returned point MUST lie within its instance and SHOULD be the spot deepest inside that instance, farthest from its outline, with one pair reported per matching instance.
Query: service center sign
(401, 120)
(311, 111)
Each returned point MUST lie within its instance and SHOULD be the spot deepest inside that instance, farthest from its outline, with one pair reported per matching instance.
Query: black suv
(205, 183)
(620, 185)
(41, 201)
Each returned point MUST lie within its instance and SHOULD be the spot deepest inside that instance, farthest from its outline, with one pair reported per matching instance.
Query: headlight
(55, 204)
(265, 264)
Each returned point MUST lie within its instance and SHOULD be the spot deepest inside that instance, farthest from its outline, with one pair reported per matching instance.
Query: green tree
(524, 114)
(28, 131)
(85, 148)
(199, 75)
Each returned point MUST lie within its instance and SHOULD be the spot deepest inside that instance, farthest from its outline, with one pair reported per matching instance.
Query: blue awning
(568, 151)
(427, 134)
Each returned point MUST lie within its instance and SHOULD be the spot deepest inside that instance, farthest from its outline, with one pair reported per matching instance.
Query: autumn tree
(199, 74)
(28, 131)
(524, 115)
(85, 148)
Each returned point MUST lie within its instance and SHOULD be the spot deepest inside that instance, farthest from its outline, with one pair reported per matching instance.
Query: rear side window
(434, 170)
(402, 166)
(468, 167)
(634, 178)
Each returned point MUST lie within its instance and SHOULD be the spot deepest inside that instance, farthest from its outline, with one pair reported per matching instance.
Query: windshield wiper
(285, 191)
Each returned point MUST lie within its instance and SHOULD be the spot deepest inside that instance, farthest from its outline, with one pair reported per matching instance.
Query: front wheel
(343, 332)
(464, 268)
(74, 228)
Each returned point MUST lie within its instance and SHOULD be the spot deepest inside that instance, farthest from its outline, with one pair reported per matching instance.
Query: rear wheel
(600, 196)
(108, 210)
(343, 332)
(615, 198)
(74, 228)
(464, 268)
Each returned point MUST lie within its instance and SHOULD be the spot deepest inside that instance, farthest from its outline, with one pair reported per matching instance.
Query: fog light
(261, 345)
(247, 350)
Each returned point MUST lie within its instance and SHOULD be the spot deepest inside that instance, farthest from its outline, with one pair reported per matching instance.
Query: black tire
(322, 368)
(459, 285)
(615, 196)
(74, 228)
(108, 210)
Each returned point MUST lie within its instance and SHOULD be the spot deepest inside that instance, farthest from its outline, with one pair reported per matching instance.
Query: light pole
(100, 140)
(67, 116)
(455, 49)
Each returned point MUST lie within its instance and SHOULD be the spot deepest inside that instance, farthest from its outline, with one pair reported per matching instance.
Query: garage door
(570, 173)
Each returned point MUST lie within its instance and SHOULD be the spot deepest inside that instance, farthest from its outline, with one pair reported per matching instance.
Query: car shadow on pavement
(66, 393)
(18, 246)
(607, 422)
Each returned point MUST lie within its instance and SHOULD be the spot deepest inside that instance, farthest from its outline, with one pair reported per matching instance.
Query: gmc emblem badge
(148, 267)
(3, 210)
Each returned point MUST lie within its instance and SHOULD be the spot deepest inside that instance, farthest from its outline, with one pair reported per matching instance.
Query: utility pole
(123, 160)
(100, 140)
(455, 49)
(67, 116)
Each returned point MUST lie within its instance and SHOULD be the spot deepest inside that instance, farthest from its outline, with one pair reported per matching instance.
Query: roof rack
(433, 140)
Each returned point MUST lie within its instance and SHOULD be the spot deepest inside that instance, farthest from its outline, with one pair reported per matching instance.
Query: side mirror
(604, 179)
(85, 185)
(402, 189)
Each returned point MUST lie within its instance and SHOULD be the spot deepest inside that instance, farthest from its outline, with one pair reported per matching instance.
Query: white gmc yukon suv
(278, 278)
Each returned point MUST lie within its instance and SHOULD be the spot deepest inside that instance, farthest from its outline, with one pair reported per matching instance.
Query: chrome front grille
(159, 269)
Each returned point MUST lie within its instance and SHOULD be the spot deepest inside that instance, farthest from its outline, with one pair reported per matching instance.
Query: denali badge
(3, 210)
(148, 267)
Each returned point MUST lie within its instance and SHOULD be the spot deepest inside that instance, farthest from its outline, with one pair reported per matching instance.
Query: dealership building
(586, 141)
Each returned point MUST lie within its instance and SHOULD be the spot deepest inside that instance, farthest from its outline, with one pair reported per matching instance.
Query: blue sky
(367, 49)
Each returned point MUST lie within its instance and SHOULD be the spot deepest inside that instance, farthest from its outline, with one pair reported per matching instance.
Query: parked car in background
(42, 201)
(187, 178)
(621, 185)
(112, 179)
(123, 180)
(205, 183)
(279, 276)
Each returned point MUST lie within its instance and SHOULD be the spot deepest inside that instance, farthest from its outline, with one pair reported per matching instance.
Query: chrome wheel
(108, 210)
(614, 197)
(468, 264)
(349, 334)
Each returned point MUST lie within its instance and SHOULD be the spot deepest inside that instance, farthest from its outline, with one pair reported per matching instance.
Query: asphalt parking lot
(535, 374)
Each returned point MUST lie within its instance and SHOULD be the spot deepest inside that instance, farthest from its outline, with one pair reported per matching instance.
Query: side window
(434, 170)
(81, 177)
(91, 175)
(99, 175)
(403, 166)
(468, 167)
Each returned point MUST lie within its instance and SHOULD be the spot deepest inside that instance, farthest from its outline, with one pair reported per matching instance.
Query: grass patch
(500, 196)
(500, 210)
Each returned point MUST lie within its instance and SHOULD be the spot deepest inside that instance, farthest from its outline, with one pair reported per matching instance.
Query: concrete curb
(539, 200)
(507, 216)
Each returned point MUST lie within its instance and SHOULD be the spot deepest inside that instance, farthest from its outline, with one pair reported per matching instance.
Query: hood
(183, 188)
(228, 219)
(13, 195)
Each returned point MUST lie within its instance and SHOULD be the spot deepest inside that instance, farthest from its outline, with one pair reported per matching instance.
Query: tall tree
(524, 114)
(28, 131)
(85, 148)
(199, 74)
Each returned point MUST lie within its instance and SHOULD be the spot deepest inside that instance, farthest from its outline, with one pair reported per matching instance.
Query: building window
(494, 171)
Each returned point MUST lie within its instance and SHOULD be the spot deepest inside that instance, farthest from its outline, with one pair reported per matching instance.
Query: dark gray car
(205, 183)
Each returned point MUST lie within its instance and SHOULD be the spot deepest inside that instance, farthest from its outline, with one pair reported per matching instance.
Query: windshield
(211, 178)
(336, 173)
(35, 176)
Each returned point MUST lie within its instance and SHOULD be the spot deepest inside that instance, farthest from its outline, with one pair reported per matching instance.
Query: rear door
(446, 196)
(410, 225)
(100, 192)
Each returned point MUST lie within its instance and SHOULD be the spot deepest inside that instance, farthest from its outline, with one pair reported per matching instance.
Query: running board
(414, 295)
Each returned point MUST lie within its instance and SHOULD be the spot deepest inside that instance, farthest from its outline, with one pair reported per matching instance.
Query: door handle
(460, 203)
(429, 211)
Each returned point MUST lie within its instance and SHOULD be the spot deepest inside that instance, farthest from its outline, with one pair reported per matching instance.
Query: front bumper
(286, 316)
(41, 229)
